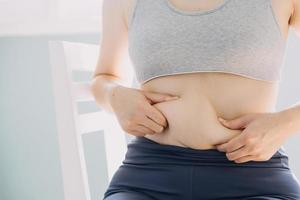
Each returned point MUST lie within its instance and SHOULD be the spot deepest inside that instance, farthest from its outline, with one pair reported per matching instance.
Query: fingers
(142, 130)
(245, 159)
(239, 153)
(149, 123)
(238, 123)
(155, 97)
(241, 148)
(232, 145)
(156, 116)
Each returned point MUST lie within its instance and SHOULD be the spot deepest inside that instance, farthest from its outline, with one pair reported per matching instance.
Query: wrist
(290, 121)
(112, 90)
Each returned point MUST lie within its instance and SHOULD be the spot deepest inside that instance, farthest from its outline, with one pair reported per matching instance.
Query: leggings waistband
(144, 151)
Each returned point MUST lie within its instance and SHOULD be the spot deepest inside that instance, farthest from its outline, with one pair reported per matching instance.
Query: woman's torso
(192, 119)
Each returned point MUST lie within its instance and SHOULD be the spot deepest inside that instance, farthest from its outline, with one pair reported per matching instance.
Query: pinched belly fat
(193, 118)
(192, 123)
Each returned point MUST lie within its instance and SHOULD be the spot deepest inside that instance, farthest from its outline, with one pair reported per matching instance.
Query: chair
(65, 58)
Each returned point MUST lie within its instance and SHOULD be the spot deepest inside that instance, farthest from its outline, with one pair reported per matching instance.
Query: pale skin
(254, 130)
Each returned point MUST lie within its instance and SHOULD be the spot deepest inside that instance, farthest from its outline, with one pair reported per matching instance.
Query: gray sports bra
(238, 36)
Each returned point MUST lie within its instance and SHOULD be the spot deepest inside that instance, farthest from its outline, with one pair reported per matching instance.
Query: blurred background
(29, 151)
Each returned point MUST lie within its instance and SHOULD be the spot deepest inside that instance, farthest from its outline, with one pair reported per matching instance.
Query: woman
(204, 116)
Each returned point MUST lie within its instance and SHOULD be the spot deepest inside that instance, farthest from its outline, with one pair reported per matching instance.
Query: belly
(193, 118)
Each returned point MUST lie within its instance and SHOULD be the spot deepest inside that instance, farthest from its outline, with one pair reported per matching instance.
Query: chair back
(67, 57)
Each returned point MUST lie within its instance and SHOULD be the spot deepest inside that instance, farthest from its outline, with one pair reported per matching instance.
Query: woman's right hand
(134, 111)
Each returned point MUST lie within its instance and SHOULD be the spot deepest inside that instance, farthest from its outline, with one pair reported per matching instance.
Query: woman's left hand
(262, 135)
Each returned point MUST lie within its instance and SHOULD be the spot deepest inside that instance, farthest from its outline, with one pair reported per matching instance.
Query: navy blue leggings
(153, 171)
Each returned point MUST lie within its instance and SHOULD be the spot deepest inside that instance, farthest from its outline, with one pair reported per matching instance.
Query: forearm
(291, 118)
(102, 88)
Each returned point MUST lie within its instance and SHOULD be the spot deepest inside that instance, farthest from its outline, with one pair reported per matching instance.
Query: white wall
(29, 152)
(35, 17)
(290, 94)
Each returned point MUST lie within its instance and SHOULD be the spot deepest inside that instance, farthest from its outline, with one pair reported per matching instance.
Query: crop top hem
(199, 71)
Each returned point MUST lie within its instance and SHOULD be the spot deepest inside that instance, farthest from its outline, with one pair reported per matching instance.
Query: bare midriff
(203, 97)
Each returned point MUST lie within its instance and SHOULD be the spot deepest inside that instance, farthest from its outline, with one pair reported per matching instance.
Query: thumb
(239, 122)
(154, 97)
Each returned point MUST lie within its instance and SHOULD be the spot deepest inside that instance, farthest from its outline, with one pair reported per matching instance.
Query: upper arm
(295, 17)
(113, 56)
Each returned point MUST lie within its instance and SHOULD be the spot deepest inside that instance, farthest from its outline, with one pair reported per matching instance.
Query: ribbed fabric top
(237, 36)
